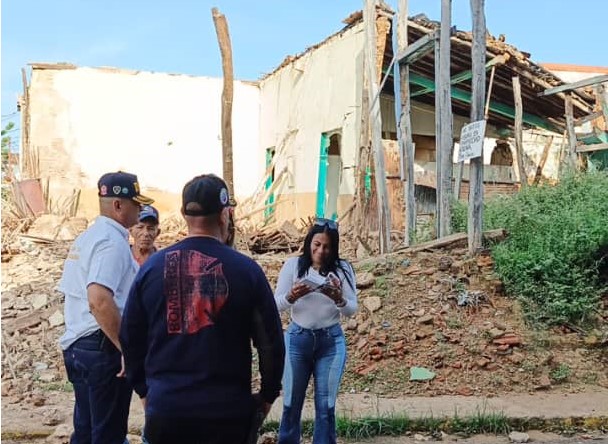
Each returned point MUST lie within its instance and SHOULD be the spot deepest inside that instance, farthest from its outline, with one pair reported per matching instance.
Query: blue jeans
(322, 354)
(102, 400)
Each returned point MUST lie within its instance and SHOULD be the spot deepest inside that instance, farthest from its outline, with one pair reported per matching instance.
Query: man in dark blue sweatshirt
(186, 331)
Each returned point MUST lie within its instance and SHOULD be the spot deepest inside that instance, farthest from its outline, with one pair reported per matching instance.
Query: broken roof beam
(465, 75)
(498, 108)
(590, 148)
(575, 85)
(418, 49)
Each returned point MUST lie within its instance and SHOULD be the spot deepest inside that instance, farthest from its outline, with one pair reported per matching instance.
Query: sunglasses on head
(322, 222)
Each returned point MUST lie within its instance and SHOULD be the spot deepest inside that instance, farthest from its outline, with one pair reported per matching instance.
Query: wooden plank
(496, 235)
(570, 131)
(575, 85)
(410, 53)
(445, 114)
(591, 148)
(404, 126)
(519, 149)
(543, 160)
(223, 38)
(384, 219)
(478, 57)
(588, 118)
(29, 320)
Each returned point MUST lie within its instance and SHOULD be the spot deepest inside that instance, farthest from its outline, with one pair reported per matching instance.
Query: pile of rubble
(441, 317)
(430, 322)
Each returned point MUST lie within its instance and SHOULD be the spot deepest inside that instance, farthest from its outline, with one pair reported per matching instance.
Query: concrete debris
(372, 303)
(519, 437)
(56, 319)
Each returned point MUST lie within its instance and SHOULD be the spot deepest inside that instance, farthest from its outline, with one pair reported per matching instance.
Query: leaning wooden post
(478, 56)
(519, 149)
(404, 127)
(384, 217)
(602, 97)
(223, 38)
(570, 130)
(446, 144)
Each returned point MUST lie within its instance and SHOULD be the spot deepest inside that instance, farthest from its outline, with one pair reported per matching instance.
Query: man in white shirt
(97, 276)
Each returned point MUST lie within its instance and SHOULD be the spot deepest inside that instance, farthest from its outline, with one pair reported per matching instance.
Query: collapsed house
(299, 132)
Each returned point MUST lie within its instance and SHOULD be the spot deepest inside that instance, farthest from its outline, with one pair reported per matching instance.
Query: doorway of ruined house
(330, 172)
(268, 203)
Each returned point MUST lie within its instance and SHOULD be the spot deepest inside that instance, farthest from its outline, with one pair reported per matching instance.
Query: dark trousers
(162, 430)
(102, 400)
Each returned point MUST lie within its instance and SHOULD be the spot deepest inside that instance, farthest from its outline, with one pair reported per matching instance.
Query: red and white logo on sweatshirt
(195, 290)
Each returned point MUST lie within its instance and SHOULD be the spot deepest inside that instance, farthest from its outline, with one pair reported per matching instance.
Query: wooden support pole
(404, 128)
(570, 131)
(223, 38)
(25, 155)
(384, 217)
(602, 96)
(543, 160)
(446, 144)
(478, 57)
(519, 149)
(438, 152)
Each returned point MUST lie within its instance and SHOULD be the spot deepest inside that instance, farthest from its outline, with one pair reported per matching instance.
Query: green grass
(397, 425)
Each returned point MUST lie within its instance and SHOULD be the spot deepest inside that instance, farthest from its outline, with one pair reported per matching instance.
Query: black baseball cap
(205, 195)
(123, 185)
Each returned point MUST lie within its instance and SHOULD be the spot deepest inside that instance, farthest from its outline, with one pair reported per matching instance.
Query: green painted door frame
(322, 181)
(269, 210)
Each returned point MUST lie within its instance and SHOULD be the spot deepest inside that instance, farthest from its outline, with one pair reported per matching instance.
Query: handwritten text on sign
(471, 140)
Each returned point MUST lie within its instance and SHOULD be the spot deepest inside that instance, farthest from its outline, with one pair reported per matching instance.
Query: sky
(178, 36)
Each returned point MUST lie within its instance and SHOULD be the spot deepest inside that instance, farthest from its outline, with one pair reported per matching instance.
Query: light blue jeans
(322, 354)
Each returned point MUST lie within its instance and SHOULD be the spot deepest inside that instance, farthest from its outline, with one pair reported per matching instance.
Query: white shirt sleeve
(286, 279)
(108, 265)
(349, 290)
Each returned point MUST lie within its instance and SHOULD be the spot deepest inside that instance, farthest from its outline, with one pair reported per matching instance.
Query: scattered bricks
(456, 267)
(456, 364)
(366, 369)
(544, 382)
(425, 320)
(482, 362)
(485, 261)
(361, 344)
(445, 262)
(413, 271)
(496, 333)
(510, 339)
(351, 324)
(491, 366)
(464, 391)
(376, 353)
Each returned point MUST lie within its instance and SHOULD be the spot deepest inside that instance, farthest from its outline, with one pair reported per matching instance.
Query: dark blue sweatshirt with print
(186, 333)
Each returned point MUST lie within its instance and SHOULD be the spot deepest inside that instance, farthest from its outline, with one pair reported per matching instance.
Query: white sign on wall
(471, 140)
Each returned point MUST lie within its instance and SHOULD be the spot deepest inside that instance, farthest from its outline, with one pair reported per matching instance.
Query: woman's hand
(297, 291)
(333, 290)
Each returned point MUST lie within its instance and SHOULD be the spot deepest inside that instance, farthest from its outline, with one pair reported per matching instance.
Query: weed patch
(553, 257)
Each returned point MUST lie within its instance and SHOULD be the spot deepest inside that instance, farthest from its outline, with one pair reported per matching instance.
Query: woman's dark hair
(333, 262)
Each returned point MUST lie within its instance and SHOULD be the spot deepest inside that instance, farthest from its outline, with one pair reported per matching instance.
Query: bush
(551, 259)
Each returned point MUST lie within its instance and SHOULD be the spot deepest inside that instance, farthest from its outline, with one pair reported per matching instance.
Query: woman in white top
(317, 287)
